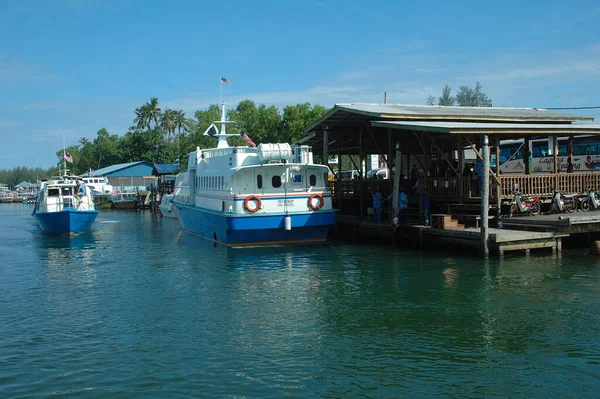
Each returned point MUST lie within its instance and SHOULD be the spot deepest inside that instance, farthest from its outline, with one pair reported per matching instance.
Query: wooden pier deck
(501, 240)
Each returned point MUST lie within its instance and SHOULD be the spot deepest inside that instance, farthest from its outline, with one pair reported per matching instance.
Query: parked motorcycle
(520, 204)
(591, 201)
(563, 203)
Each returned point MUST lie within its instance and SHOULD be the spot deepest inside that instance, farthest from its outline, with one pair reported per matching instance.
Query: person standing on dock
(377, 204)
(425, 203)
(414, 176)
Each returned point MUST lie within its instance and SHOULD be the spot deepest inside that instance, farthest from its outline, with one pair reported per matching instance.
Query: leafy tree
(446, 98)
(296, 118)
(107, 149)
(467, 97)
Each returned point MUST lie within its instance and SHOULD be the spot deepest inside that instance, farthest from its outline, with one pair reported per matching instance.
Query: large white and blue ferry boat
(244, 196)
(58, 210)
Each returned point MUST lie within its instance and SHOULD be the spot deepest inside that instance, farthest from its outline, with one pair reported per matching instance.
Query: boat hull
(124, 204)
(164, 210)
(263, 229)
(104, 205)
(66, 221)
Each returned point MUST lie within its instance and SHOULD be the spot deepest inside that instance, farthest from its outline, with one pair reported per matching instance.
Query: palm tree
(167, 122)
(153, 110)
(180, 121)
(142, 119)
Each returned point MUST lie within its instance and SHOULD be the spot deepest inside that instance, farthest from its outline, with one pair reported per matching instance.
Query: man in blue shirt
(80, 191)
(425, 202)
(377, 204)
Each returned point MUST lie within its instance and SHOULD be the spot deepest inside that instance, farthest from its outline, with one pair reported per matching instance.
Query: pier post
(326, 149)
(485, 194)
(395, 191)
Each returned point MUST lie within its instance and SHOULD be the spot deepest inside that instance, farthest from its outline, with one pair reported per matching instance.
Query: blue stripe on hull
(64, 222)
(255, 229)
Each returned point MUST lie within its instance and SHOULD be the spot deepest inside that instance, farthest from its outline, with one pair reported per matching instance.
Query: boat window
(276, 181)
(53, 192)
(312, 180)
(259, 182)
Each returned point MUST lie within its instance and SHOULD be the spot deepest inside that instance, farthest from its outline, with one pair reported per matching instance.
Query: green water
(138, 309)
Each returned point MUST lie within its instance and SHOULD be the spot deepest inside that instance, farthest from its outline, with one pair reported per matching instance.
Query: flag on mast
(224, 80)
(68, 157)
(248, 139)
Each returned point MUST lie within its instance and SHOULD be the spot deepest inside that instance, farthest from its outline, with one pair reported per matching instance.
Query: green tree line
(466, 97)
(164, 135)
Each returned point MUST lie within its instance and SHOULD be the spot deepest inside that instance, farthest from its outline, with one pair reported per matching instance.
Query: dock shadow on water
(139, 309)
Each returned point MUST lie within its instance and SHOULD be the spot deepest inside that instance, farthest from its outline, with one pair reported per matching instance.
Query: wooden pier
(514, 234)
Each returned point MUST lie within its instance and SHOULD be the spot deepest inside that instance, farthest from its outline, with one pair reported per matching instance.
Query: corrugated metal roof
(428, 111)
(481, 128)
(165, 168)
(113, 168)
(347, 114)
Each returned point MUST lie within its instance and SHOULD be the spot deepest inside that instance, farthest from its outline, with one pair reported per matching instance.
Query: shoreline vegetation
(164, 135)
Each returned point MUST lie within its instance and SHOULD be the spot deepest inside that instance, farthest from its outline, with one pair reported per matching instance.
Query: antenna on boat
(212, 129)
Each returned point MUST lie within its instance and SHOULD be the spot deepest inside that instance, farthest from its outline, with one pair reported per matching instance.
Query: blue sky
(76, 66)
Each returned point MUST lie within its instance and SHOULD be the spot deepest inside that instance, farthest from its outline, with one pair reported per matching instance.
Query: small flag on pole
(248, 139)
(224, 80)
(211, 131)
(68, 157)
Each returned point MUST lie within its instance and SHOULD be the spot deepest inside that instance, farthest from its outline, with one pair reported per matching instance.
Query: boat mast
(64, 156)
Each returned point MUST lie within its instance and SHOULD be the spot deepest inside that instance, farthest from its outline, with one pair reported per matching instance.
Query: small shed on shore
(165, 174)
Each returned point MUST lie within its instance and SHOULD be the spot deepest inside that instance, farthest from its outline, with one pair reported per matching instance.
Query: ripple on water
(136, 308)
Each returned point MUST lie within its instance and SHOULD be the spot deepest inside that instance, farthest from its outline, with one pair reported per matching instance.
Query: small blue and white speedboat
(59, 211)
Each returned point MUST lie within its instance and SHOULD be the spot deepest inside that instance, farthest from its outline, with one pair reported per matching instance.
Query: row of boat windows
(211, 182)
(218, 182)
(89, 181)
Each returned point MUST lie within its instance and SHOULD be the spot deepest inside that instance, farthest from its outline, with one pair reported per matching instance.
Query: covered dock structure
(438, 140)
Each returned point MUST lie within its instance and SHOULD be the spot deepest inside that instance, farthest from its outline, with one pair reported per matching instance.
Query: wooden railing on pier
(544, 185)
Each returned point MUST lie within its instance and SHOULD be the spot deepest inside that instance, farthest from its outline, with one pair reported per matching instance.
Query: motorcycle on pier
(591, 201)
(520, 204)
(563, 202)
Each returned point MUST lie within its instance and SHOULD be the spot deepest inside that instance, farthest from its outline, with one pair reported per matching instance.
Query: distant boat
(166, 206)
(124, 200)
(101, 201)
(271, 194)
(59, 211)
(6, 195)
(99, 184)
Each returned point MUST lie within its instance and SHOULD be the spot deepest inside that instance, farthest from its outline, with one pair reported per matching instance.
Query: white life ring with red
(255, 199)
(319, 203)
